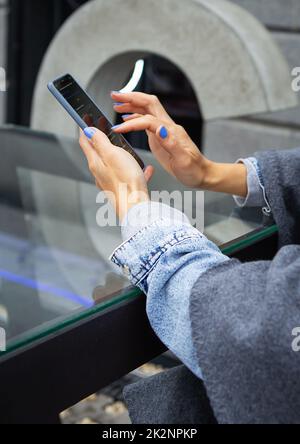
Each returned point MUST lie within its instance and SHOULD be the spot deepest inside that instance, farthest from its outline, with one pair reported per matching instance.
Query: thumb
(99, 140)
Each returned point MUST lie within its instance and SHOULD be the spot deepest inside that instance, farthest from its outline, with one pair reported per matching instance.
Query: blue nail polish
(163, 132)
(126, 115)
(89, 132)
(118, 104)
(116, 127)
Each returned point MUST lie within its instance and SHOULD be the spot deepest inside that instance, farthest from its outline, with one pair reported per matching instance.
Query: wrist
(209, 175)
(133, 198)
(226, 178)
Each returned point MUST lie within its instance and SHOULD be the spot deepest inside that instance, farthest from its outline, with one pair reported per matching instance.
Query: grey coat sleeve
(243, 316)
(281, 176)
(175, 396)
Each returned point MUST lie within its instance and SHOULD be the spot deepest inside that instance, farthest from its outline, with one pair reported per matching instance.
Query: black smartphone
(85, 112)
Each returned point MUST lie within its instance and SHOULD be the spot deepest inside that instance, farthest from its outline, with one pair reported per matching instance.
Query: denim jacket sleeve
(165, 259)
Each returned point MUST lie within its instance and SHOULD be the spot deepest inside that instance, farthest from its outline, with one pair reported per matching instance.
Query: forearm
(226, 178)
(169, 291)
(244, 180)
(165, 260)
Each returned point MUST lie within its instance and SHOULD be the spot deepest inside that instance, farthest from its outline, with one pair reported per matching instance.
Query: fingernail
(89, 132)
(118, 103)
(116, 92)
(116, 127)
(125, 116)
(163, 132)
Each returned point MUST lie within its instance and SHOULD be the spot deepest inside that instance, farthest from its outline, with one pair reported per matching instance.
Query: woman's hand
(116, 171)
(169, 143)
(173, 148)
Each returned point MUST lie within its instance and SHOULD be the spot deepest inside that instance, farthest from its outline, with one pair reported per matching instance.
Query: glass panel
(54, 258)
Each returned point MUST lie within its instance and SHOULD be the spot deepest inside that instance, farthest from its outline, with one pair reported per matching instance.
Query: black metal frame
(40, 380)
(44, 378)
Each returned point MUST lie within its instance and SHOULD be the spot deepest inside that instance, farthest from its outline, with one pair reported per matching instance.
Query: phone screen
(90, 113)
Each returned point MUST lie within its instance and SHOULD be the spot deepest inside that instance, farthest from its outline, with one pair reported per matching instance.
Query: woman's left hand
(116, 172)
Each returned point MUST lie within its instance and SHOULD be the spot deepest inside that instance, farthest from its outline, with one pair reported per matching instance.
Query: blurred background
(28, 26)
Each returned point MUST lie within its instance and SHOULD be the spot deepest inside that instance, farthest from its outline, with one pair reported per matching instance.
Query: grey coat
(242, 320)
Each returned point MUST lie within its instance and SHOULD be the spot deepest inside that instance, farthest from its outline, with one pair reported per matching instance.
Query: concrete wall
(226, 140)
(3, 16)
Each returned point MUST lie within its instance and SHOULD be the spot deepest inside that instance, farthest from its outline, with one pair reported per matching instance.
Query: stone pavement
(107, 406)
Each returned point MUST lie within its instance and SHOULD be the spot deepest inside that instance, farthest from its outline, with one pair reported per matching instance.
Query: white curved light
(136, 77)
(2, 79)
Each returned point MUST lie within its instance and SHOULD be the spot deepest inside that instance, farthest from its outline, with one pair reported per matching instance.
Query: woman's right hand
(174, 149)
(169, 143)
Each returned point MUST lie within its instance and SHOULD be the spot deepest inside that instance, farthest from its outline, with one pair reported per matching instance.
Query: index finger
(137, 98)
(141, 103)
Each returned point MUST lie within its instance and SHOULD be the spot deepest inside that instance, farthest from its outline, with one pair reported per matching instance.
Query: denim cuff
(144, 214)
(139, 255)
(256, 196)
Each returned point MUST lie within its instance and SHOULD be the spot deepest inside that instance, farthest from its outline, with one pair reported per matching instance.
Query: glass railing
(54, 266)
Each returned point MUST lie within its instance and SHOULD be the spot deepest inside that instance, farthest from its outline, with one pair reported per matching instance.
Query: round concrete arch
(230, 59)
